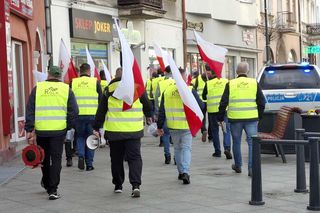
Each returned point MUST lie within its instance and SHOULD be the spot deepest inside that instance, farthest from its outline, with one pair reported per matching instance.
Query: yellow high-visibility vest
(122, 121)
(242, 98)
(163, 85)
(51, 106)
(148, 89)
(103, 84)
(201, 84)
(215, 88)
(85, 90)
(193, 81)
(155, 83)
(175, 115)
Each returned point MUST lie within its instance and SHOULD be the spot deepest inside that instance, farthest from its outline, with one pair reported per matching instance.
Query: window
(251, 63)
(292, 56)
(230, 67)
(153, 62)
(289, 78)
(195, 63)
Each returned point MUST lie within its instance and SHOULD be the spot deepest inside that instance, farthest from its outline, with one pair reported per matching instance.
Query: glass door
(18, 93)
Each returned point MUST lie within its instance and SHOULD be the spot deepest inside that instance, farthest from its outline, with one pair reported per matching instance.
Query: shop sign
(90, 25)
(195, 26)
(22, 7)
(312, 50)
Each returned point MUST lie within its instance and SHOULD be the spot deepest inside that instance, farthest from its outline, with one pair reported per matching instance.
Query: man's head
(54, 72)
(183, 73)
(118, 72)
(167, 69)
(102, 75)
(160, 73)
(195, 74)
(242, 68)
(209, 72)
(85, 69)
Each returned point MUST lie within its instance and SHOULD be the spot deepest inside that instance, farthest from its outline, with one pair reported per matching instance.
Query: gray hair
(243, 68)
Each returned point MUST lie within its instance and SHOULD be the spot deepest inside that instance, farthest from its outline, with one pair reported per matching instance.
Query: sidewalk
(214, 186)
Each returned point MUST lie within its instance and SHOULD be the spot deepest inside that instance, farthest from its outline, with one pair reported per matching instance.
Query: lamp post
(266, 32)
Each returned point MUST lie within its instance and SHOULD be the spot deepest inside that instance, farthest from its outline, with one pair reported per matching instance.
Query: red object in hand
(33, 155)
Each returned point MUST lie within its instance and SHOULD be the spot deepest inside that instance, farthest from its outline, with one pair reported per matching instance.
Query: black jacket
(103, 108)
(72, 114)
(260, 100)
(162, 111)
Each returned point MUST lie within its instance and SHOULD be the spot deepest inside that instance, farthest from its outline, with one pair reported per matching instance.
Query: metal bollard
(256, 182)
(300, 168)
(314, 198)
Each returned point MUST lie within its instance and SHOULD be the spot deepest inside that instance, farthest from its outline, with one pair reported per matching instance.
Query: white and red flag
(66, 64)
(106, 71)
(161, 56)
(93, 68)
(212, 54)
(131, 86)
(192, 110)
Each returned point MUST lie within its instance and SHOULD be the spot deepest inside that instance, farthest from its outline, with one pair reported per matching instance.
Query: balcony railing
(313, 29)
(147, 9)
(286, 22)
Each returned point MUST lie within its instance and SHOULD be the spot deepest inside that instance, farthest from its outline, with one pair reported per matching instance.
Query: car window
(289, 78)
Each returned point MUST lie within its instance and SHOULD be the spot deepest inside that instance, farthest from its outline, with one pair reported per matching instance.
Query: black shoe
(54, 196)
(89, 168)
(167, 159)
(236, 169)
(118, 189)
(204, 136)
(170, 141)
(160, 144)
(69, 162)
(217, 155)
(250, 172)
(135, 191)
(228, 154)
(180, 176)
(81, 163)
(185, 178)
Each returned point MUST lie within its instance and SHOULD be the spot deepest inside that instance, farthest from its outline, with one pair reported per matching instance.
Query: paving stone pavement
(214, 186)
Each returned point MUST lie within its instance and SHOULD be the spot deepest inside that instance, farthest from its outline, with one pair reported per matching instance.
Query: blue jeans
(251, 128)
(214, 129)
(182, 142)
(166, 139)
(84, 130)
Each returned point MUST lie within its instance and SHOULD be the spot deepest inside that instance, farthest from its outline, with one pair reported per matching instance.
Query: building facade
(231, 24)
(143, 23)
(25, 45)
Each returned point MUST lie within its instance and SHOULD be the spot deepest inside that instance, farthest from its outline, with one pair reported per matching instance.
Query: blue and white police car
(291, 85)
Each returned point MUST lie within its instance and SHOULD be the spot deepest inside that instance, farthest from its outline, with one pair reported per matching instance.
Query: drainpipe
(184, 32)
(300, 32)
(48, 29)
(266, 31)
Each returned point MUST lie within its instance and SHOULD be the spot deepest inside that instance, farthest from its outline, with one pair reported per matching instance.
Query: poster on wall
(22, 8)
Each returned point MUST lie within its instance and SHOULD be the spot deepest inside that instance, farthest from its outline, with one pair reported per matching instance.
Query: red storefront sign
(22, 7)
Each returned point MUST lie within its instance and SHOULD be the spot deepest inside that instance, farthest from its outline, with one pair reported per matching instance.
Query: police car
(291, 85)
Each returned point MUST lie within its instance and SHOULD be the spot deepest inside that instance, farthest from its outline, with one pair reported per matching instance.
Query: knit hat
(55, 71)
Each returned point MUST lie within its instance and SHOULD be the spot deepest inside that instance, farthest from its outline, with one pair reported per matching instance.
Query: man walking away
(51, 111)
(246, 103)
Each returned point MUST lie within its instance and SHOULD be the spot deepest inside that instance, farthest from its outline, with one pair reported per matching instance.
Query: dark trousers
(70, 147)
(51, 169)
(131, 149)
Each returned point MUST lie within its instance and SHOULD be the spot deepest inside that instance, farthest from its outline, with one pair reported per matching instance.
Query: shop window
(153, 62)
(97, 51)
(195, 63)
(230, 67)
(251, 63)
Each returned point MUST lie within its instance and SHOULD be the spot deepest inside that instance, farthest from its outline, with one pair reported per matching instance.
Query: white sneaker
(135, 192)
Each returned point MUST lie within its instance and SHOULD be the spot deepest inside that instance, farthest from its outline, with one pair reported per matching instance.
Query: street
(214, 186)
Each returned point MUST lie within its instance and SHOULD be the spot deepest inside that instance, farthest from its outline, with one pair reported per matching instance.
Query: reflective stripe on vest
(175, 115)
(215, 89)
(242, 98)
(123, 121)
(85, 90)
(148, 89)
(163, 85)
(51, 106)
(201, 84)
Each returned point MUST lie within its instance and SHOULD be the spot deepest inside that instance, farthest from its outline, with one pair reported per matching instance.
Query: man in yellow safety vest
(246, 103)
(51, 111)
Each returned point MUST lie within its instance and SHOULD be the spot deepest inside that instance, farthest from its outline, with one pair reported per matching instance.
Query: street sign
(312, 49)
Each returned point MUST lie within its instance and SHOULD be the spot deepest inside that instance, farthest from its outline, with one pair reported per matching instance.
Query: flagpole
(266, 31)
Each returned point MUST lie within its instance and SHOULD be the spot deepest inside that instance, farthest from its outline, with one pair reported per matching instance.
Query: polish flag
(212, 54)
(93, 68)
(161, 56)
(192, 110)
(106, 71)
(66, 64)
(131, 86)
